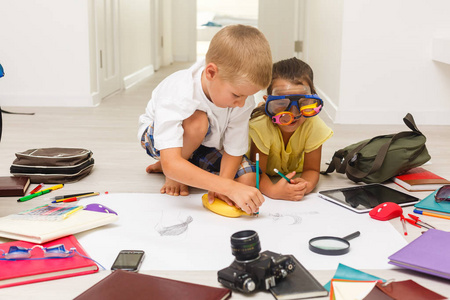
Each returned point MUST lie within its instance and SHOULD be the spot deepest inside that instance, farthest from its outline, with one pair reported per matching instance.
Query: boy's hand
(293, 191)
(249, 200)
(212, 195)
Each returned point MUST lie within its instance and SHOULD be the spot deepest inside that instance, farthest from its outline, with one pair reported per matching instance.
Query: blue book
(429, 204)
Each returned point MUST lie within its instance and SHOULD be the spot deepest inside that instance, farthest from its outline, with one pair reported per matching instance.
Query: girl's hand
(293, 191)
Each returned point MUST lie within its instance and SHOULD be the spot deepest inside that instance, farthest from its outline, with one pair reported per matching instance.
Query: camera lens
(245, 245)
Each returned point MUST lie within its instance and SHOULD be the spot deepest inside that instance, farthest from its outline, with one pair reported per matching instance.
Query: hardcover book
(13, 186)
(420, 179)
(428, 254)
(298, 285)
(17, 272)
(129, 285)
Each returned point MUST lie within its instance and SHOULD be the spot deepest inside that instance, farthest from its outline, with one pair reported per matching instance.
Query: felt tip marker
(29, 197)
(37, 188)
(282, 175)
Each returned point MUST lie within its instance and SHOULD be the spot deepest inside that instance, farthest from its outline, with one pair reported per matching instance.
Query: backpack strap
(409, 121)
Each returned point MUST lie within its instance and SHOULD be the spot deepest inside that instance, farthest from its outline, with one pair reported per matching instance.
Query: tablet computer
(363, 198)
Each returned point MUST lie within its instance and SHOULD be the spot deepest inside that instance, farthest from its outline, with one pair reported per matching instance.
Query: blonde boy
(196, 123)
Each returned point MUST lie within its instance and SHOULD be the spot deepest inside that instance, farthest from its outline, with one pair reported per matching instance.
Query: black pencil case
(53, 165)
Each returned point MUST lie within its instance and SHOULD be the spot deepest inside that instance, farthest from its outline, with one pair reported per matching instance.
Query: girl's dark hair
(293, 70)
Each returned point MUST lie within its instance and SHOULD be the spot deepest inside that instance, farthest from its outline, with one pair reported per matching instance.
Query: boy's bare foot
(154, 168)
(174, 188)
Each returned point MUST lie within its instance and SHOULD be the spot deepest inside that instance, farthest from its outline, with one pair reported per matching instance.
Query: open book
(39, 231)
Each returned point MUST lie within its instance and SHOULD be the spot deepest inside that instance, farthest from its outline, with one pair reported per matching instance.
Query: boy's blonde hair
(241, 52)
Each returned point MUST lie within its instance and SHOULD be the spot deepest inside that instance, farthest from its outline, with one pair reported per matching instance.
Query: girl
(286, 132)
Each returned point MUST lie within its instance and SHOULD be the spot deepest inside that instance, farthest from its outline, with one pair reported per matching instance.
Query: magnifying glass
(331, 245)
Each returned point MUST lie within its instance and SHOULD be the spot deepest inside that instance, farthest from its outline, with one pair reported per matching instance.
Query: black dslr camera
(251, 270)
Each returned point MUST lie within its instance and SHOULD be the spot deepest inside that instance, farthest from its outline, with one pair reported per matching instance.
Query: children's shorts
(206, 158)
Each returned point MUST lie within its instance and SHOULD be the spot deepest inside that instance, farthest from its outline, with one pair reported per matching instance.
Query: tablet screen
(363, 198)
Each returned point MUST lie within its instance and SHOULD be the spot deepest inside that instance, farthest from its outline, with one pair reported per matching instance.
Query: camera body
(252, 270)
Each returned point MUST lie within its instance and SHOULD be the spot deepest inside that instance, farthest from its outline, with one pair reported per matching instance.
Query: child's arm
(174, 166)
(282, 190)
(311, 169)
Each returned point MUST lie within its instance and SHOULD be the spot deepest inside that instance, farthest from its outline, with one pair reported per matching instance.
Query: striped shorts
(206, 158)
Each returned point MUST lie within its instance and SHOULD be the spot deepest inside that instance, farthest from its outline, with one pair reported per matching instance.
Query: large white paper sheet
(178, 233)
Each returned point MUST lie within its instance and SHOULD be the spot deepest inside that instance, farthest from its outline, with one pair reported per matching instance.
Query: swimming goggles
(57, 251)
(279, 107)
(16, 252)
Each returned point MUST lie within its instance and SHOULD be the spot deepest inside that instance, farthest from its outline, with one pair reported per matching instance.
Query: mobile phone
(128, 260)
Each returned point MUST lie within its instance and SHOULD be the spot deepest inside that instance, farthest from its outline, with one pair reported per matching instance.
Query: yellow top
(267, 137)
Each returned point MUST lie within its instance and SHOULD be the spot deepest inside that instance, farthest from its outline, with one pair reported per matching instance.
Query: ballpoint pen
(70, 196)
(76, 198)
(419, 222)
(402, 219)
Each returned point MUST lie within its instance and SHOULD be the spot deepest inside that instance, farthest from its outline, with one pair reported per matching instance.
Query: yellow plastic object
(220, 207)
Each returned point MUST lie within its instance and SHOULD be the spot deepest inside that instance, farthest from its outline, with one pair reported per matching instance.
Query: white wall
(47, 49)
(44, 49)
(384, 67)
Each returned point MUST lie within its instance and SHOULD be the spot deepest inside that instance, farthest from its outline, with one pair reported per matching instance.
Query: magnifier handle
(351, 236)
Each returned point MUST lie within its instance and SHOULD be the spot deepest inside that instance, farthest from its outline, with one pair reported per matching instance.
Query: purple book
(428, 254)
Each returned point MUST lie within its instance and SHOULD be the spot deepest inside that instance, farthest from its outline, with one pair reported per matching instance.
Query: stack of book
(420, 179)
(429, 206)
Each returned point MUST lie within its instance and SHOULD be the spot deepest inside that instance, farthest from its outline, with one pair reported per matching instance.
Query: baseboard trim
(132, 79)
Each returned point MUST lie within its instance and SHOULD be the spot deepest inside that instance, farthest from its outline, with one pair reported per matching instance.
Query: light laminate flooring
(110, 131)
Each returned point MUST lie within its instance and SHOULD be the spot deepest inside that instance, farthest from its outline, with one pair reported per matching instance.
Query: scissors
(417, 222)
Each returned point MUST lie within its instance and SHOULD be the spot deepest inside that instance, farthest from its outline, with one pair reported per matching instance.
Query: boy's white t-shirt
(177, 97)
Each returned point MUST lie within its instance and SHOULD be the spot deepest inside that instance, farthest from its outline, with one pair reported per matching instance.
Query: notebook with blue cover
(429, 204)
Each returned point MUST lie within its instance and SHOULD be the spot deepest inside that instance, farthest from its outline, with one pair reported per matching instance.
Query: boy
(197, 119)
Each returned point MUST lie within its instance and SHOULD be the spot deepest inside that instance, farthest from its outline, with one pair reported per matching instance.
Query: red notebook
(420, 179)
(28, 271)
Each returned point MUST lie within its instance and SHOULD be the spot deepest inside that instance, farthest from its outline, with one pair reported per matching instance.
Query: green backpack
(380, 158)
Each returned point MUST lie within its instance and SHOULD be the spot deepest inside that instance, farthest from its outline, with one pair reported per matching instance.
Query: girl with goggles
(286, 133)
(279, 107)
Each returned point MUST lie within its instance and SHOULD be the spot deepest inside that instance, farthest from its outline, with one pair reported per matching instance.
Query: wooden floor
(110, 131)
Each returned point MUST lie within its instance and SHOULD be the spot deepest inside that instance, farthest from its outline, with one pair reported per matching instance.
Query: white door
(107, 39)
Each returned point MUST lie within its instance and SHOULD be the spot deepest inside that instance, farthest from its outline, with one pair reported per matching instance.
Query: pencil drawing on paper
(173, 230)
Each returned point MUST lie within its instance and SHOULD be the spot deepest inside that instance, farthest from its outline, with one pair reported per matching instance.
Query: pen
(29, 197)
(282, 175)
(71, 195)
(257, 171)
(402, 219)
(37, 188)
(72, 199)
(431, 215)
